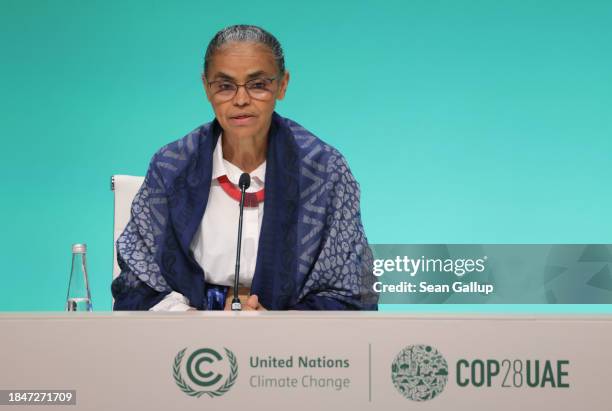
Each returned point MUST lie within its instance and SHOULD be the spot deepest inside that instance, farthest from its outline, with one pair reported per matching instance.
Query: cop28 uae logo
(419, 372)
(206, 370)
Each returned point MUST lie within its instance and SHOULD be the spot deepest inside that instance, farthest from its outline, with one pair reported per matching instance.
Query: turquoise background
(464, 121)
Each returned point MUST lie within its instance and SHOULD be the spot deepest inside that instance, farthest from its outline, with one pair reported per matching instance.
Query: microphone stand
(244, 183)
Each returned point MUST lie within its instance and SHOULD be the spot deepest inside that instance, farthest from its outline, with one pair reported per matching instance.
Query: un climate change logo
(419, 372)
(205, 375)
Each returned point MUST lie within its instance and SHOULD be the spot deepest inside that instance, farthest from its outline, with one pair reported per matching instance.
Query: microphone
(243, 183)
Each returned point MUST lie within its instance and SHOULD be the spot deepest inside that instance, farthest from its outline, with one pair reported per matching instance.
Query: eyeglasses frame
(210, 83)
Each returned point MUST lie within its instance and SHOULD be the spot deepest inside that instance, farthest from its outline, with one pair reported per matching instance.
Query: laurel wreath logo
(187, 389)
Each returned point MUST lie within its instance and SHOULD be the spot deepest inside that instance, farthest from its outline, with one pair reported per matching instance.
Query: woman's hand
(252, 304)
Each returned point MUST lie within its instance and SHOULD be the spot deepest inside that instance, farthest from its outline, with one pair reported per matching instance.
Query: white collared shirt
(214, 243)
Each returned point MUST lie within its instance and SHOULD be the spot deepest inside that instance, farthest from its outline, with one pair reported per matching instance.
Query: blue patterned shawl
(313, 253)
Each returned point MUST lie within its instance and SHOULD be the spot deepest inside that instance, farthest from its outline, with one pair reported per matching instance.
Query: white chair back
(125, 189)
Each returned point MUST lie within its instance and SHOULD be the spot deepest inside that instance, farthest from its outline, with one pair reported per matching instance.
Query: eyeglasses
(258, 88)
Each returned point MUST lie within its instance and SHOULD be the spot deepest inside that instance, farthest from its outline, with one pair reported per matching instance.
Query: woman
(303, 248)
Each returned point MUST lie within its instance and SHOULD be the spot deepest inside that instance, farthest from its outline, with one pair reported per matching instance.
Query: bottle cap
(79, 248)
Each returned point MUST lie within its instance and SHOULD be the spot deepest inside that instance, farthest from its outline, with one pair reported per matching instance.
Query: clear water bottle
(79, 297)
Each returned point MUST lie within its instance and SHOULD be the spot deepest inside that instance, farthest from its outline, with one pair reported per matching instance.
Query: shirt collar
(221, 167)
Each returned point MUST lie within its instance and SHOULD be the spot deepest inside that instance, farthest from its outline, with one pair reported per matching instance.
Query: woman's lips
(242, 119)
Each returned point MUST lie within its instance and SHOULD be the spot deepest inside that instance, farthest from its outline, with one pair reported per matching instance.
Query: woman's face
(247, 113)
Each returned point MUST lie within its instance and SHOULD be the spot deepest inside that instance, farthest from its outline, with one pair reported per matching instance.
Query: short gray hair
(245, 33)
